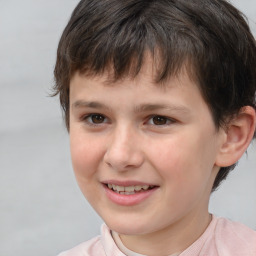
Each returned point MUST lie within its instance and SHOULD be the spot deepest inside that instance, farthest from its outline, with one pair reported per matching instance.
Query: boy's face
(133, 133)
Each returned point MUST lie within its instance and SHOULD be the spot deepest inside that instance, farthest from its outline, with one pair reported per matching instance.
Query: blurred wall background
(42, 211)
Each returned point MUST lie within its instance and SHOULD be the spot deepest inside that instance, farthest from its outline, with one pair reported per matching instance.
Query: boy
(159, 101)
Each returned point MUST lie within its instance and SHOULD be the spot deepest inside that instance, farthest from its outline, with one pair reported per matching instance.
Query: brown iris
(159, 120)
(97, 119)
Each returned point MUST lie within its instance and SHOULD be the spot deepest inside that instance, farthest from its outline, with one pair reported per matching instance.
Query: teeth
(126, 193)
(129, 190)
(119, 188)
(137, 188)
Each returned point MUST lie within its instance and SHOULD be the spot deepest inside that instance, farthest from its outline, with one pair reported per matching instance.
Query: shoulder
(224, 238)
(92, 247)
(235, 237)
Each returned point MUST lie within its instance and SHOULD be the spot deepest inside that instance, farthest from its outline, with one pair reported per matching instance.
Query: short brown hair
(211, 35)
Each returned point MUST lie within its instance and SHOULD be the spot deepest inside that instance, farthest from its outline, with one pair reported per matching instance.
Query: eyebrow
(89, 104)
(154, 107)
(138, 109)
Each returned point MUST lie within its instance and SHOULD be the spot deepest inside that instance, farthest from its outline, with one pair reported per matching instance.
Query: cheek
(183, 161)
(86, 155)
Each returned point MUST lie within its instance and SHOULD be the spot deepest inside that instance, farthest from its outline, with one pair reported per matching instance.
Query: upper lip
(127, 183)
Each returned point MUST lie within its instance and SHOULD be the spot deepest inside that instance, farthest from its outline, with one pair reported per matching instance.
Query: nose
(124, 150)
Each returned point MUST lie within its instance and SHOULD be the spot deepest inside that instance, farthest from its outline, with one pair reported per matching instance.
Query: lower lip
(128, 200)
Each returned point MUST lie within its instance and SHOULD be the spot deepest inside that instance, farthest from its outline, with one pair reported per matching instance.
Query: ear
(237, 137)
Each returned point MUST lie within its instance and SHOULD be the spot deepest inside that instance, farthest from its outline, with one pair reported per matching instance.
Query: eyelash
(87, 120)
(163, 118)
(149, 120)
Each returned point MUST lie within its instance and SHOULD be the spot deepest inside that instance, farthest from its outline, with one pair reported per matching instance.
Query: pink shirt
(221, 238)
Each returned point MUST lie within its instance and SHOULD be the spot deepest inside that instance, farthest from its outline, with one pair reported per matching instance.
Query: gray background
(42, 211)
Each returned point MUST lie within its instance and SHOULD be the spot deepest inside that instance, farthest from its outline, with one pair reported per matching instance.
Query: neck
(174, 238)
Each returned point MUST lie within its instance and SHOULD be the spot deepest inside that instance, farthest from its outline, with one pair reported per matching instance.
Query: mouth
(128, 193)
(129, 190)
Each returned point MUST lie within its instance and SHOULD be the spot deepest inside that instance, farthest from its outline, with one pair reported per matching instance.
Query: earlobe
(238, 136)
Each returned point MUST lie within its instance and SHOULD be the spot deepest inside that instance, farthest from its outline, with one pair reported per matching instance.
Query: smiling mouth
(129, 190)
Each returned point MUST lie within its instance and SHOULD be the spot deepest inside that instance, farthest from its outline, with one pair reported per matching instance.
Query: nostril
(108, 164)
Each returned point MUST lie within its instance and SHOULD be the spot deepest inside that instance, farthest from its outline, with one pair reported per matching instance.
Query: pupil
(159, 120)
(97, 119)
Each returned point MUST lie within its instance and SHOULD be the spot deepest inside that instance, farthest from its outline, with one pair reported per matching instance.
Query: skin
(177, 154)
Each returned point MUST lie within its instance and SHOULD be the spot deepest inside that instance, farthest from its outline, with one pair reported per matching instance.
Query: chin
(126, 228)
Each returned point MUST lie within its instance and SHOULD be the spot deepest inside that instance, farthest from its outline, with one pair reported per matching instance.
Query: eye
(95, 119)
(160, 120)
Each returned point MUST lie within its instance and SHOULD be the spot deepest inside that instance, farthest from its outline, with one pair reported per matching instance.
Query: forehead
(178, 89)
